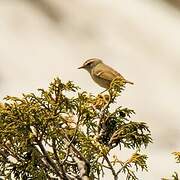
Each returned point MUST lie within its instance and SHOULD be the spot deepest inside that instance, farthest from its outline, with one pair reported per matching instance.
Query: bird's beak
(81, 67)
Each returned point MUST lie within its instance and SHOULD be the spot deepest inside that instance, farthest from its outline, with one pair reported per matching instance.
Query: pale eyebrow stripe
(89, 61)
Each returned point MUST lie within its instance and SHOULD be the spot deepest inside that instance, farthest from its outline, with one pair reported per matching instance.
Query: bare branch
(111, 167)
(49, 160)
(72, 140)
(58, 160)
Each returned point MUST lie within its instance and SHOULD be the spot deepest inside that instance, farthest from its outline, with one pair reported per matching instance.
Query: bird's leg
(104, 91)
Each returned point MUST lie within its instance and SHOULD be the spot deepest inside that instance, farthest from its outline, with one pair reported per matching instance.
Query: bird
(101, 73)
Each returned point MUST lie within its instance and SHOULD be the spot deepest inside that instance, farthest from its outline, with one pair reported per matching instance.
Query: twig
(12, 152)
(71, 141)
(82, 163)
(49, 160)
(102, 113)
(72, 176)
(58, 160)
(74, 148)
(111, 167)
(55, 152)
(123, 166)
(47, 166)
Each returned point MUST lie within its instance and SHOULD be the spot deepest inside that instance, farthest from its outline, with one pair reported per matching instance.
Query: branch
(82, 163)
(123, 166)
(111, 167)
(49, 160)
(72, 140)
(58, 160)
(102, 114)
(5, 154)
(12, 152)
(47, 166)
(75, 150)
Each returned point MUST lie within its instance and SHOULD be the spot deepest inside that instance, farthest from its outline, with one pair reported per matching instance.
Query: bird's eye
(88, 64)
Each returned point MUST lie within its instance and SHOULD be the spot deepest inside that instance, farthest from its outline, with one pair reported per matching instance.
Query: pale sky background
(139, 38)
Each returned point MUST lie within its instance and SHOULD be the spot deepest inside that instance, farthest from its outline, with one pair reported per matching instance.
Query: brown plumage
(101, 73)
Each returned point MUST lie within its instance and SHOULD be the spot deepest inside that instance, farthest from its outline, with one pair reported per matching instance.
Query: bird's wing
(110, 75)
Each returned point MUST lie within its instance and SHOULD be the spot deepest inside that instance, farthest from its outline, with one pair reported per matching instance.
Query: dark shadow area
(174, 3)
(47, 8)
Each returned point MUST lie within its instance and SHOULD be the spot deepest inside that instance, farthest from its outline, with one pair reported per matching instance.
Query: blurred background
(43, 39)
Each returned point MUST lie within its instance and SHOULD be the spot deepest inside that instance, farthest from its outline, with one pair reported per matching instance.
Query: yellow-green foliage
(52, 133)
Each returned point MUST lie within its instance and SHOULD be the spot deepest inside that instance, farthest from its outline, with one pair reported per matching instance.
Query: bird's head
(90, 63)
